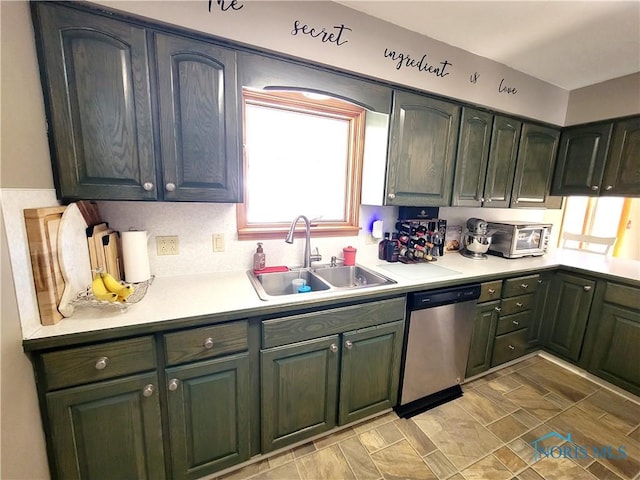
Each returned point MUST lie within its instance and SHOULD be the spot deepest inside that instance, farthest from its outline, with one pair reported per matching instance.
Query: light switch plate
(218, 242)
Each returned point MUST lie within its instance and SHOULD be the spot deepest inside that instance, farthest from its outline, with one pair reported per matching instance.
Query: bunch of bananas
(106, 287)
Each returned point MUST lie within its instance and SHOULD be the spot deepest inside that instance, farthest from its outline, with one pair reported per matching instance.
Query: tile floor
(486, 434)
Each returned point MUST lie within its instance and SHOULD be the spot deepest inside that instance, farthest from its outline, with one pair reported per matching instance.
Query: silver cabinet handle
(497, 309)
(608, 187)
(489, 200)
(491, 291)
(540, 281)
(586, 288)
(170, 187)
(392, 196)
(519, 304)
(148, 186)
(524, 286)
(511, 347)
(333, 347)
(102, 363)
(208, 343)
(348, 344)
(173, 384)
(147, 391)
(594, 188)
(515, 322)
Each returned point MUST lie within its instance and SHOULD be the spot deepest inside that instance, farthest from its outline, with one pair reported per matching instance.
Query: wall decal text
(502, 88)
(422, 65)
(226, 5)
(335, 36)
(474, 77)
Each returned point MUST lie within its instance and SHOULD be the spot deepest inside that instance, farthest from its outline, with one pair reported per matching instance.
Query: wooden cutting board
(73, 255)
(111, 245)
(42, 226)
(94, 240)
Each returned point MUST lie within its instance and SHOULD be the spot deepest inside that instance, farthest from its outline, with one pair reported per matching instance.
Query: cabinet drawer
(516, 304)
(509, 347)
(490, 291)
(622, 295)
(511, 323)
(206, 342)
(76, 366)
(307, 326)
(520, 286)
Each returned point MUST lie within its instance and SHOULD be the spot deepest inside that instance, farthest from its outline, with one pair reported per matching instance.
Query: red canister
(349, 255)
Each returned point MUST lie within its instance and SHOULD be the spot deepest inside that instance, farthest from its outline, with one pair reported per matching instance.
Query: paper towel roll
(376, 230)
(135, 256)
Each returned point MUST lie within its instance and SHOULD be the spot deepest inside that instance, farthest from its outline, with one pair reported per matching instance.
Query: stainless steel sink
(320, 279)
(351, 276)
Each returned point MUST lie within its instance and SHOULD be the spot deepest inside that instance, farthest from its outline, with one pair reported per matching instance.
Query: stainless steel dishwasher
(436, 347)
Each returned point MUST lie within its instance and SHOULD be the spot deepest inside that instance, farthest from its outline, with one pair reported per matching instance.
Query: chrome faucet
(308, 257)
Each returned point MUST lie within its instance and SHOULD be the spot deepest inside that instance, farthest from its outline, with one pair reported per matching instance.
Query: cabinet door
(502, 162)
(108, 430)
(581, 160)
(534, 168)
(484, 330)
(422, 150)
(542, 297)
(209, 407)
(614, 354)
(198, 104)
(370, 371)
(96, 85)
(472, 158)
(569, 311)
(622, 172)
(299, 391)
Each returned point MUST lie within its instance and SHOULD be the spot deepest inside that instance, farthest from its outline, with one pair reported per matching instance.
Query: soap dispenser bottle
(259, 258)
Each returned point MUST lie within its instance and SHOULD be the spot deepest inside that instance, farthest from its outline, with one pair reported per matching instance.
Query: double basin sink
(320, 279)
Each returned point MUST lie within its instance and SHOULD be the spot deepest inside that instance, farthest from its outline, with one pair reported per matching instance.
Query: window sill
(279, 232)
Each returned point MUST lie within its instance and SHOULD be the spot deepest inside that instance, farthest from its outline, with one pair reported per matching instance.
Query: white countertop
(180, 297)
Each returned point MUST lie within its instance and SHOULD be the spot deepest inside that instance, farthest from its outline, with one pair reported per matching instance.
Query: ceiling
(570, 44)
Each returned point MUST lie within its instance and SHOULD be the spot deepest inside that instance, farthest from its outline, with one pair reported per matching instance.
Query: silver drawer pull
(208, 343)
(392, 196)
(594, 187)
(348, 344)
(515, 322)
(333, 347)
(173, 384)
(498, 309)
(608, 187)
(519, 304)
(170, 187)
(540, 281)
(147, 391)
(586, 288)
(102, 363)
(524, 286)
(511, 347)
(147, 186)
(491, 291)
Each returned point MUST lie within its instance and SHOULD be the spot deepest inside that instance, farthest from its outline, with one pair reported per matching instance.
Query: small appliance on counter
(477, 239)
(519, 239)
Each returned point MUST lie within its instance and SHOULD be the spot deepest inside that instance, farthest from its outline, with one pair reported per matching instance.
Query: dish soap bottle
(259, 258)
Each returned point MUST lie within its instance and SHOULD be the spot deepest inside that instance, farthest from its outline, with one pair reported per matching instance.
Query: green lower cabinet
(541, 301)
(484, 330)
(209, 405)
(107, 430)
(370, 371)
(566, 320)
(299, 391)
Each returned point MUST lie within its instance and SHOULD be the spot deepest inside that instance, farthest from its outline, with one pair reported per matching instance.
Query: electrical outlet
(167, 245)
(218, 242)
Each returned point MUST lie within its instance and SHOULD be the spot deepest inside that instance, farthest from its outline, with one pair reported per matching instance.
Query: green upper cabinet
(599, 159)
(581, 159)
(422, 148)
(486, 159)
(106, 98)
(622, 172)
(198, 116)
(534, 167)
(95, 73)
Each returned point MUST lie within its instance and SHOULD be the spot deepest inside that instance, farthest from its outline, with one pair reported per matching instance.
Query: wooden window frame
(328, 107)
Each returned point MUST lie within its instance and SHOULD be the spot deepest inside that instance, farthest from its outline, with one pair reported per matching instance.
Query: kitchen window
(302, 156)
